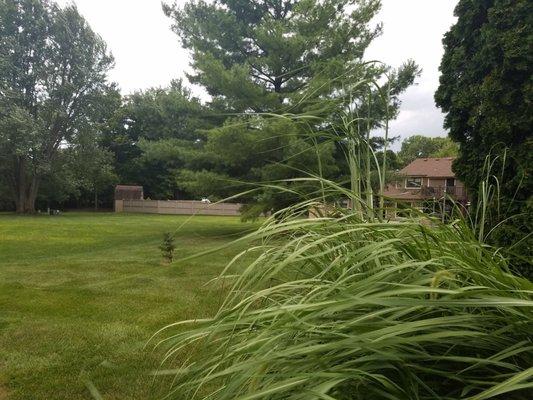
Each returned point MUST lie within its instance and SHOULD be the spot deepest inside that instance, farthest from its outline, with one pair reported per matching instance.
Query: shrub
(348, 306)
(349, 309)
(167, 247)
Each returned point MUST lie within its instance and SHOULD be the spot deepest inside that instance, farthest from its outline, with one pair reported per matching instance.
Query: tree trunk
(95, 199)
(25, 194)
(19, 206)
(20, 184)
(26, 203)
(32, 196)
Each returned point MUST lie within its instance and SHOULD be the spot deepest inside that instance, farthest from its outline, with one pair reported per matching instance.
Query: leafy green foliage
(94, 167)
(80, 174)
(154, 135)
(340, 308)
(265, 55)
(263, 150)
(418, 146)
(52, 78)
(167, 247)
(485, 91)
(282, 57)
(350, 306)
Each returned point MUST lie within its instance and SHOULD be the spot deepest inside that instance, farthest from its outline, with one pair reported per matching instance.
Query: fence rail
(178, 207)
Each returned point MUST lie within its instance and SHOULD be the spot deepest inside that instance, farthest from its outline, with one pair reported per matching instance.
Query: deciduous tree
(419, 146)
(152, 134)
(52, 73)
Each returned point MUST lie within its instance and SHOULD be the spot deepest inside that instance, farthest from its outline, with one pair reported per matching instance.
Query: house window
(450, 182)
(413, 183)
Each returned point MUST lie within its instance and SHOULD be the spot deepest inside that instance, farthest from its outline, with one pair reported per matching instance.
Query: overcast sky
(147, 52)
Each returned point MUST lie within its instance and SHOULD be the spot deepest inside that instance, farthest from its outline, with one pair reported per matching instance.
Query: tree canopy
(486, 92)
(419, 146)
(270, 55)
(52, 80)
(154, 134)
(282, 57)
(262, 62)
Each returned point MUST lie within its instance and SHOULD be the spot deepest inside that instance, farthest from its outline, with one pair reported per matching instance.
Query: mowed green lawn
(81, 294)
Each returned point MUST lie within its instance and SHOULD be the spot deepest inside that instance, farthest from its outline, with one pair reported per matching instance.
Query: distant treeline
(67, 136)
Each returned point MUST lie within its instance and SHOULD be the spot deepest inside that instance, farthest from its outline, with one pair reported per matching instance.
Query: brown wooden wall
(177, 207)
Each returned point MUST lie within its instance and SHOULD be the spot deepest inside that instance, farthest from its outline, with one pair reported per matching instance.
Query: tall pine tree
(265, 55)
(280, 56)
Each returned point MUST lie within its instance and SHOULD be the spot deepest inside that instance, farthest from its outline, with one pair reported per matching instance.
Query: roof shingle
(432, 167)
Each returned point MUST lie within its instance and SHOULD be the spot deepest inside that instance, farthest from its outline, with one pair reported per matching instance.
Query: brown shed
(127, 192)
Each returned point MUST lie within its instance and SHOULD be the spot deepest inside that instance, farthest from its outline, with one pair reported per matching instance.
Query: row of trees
(64, 130)
(486, 92)
(66, 133)
(54, 99)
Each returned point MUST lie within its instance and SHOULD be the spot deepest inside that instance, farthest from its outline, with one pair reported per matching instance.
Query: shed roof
(128, 187)
(431, 167)
(128, 192)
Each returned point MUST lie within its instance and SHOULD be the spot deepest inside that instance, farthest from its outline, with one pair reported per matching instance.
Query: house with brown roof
(427, 180)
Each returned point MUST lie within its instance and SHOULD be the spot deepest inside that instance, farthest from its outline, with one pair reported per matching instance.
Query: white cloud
(147, 53)
(414, 29)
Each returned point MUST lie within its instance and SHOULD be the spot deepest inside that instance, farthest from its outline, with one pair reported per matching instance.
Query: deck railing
(456, 192)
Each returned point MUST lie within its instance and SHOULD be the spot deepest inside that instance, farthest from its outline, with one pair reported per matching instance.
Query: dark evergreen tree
(486, 91)
(153, 135)
(167, 247)
(267, 55)
(281, 56)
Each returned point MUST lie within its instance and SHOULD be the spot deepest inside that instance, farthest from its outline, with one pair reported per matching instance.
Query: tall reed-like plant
(349, 306)
(345, 309)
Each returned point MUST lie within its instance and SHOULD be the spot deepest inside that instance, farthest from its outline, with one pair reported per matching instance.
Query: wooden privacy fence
(183, 207)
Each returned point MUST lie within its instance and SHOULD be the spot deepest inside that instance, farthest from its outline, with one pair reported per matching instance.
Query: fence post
(119, 206)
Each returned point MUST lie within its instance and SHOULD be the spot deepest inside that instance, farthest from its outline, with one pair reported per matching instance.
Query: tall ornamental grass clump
(354, 306)
(338, 308)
